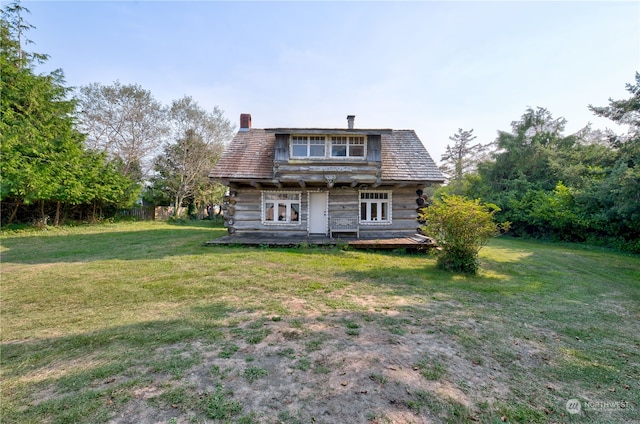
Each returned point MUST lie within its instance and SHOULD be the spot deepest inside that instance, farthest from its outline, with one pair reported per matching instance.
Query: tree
(624, 112)
(38, 138)
(461, 227)
(183, 167)
(521, 163)
(462, 158)
(619, 193)
(522, 157)
(43, 159)
(124, 121)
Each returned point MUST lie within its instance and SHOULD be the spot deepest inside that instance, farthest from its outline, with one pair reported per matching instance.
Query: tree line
(83, 154)
(582, 187)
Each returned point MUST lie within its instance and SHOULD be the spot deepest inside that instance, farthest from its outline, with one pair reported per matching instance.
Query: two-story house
(324, 181)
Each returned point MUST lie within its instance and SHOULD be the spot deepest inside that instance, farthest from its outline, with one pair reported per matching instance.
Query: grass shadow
(147, 244)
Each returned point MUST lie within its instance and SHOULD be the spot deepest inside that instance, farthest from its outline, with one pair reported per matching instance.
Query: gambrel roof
(250, 155)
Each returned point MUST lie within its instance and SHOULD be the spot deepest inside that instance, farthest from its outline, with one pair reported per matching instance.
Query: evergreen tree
(461, 159)
(42, 156)
(619, 193)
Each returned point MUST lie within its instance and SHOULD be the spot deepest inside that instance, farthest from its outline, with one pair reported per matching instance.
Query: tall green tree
(578, 187)
(37, 132)
(521, 162)
(43, 160)
(183, 167)
(619, 193)
(522, 157)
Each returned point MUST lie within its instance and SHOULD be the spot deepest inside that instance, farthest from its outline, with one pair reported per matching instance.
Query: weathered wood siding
(282, 147)
(374, 148)
(404, 216)
(247, 214)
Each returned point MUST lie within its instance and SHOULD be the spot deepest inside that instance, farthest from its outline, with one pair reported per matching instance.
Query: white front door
(318, 213)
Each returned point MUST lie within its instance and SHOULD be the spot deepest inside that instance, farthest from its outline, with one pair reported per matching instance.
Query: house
(365, 183)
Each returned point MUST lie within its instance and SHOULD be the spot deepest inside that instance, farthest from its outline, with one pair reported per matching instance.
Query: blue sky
(429, 66)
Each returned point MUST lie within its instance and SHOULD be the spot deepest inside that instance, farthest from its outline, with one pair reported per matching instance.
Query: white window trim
(348, 137)
(389, 202)
(328, 147)
(280, 223)
(308, 146)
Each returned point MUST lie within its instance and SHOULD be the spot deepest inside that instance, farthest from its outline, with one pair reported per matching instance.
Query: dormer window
(326, 147)
(304, 146)
(347, 146)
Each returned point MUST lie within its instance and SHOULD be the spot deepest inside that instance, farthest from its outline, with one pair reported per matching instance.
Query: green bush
(460, 227)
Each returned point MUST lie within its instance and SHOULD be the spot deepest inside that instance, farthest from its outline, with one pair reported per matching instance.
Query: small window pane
(269, 214)
(338, 150)
(357, 150)
(299, 150)
(316, 150)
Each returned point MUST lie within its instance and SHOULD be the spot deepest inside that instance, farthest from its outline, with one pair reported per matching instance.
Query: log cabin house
(364, 183)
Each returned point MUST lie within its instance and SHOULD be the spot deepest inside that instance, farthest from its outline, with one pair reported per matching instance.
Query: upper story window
(324, 147)
(304, 146)
(347, 146)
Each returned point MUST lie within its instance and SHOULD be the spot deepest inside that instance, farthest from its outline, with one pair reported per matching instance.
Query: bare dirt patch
(353, 368)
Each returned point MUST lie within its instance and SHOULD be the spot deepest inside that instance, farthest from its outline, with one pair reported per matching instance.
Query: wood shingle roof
(404, 158)
(250, 156)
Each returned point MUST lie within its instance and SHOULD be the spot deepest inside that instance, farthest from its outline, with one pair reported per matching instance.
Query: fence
(149, 213)
(141, 213)
(162, 213)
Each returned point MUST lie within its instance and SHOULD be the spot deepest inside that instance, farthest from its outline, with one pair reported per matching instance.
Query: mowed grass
(94, 316)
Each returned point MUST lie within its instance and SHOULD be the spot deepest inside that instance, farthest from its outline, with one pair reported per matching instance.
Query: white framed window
(305, 146)
(280, 207)
(323, 146)
(375, 207)
(347, 146)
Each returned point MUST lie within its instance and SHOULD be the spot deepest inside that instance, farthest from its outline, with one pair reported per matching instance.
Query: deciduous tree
(183, 167)
(126, 122)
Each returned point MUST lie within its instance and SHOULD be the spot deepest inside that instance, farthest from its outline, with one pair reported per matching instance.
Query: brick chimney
(245, 121)
(350, 119)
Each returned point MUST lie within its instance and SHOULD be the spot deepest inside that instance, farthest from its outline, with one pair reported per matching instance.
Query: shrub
(460, 227)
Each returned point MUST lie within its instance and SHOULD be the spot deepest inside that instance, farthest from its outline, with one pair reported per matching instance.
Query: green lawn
(142, 320)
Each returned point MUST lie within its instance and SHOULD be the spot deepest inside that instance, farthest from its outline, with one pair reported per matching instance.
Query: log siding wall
(247, 212)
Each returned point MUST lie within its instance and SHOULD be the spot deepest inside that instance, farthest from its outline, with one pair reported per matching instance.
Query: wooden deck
(415, 242)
